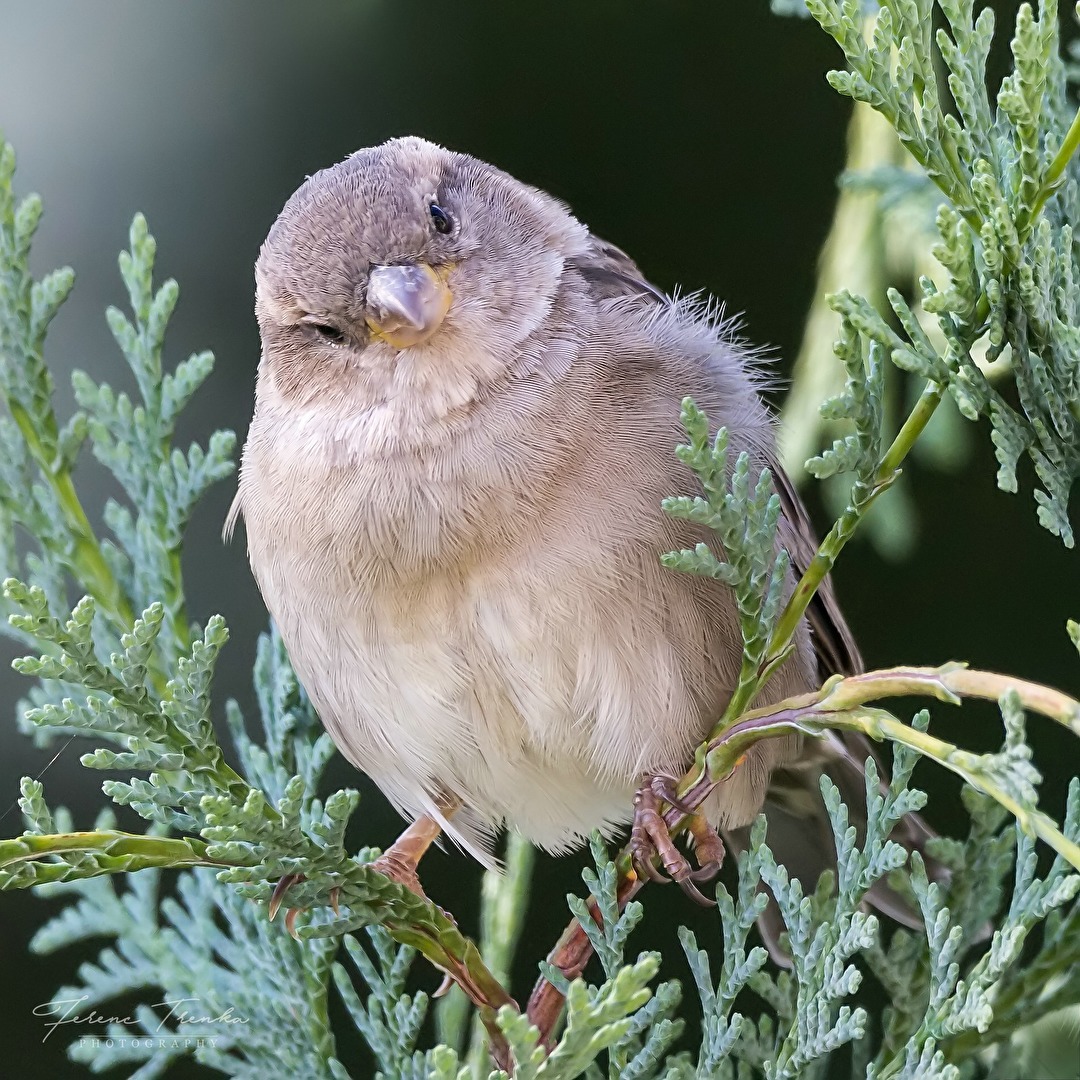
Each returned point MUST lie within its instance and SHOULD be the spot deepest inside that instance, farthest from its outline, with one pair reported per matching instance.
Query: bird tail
(801, 837)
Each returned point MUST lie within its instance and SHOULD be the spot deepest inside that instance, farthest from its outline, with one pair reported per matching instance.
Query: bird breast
(453, 643)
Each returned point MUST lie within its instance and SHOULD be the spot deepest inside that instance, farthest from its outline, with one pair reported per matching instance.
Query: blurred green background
(699, 135)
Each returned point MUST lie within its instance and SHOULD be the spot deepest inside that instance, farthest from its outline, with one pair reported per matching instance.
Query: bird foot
(392, 864)
(650, 839)
(399, 869)
(285, 883)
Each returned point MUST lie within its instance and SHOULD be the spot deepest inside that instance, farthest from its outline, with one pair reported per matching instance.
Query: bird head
(407, 264)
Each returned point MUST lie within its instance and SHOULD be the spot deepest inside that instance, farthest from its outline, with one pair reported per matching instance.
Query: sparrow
(466, 413)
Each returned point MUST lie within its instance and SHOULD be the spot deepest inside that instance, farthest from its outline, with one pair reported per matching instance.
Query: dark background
(700, 136)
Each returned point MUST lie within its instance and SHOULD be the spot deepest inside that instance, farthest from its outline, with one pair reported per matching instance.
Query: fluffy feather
(460, 541)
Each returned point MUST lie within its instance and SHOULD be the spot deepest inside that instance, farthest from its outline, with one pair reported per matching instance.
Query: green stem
(852, 257)
(121, 851)
(177, 607)
(94, 573)
(949, 682)
(97, 578)
(878, 724)
(885, 476)
(748, 685)
(505, 898)
(1055, 174)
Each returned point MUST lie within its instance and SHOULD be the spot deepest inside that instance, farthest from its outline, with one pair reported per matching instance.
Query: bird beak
(406, 304)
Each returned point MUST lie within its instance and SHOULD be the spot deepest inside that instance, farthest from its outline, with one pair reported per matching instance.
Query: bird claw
(706, 871)
(290, 922)
(285, 883)
(691, 891)
(650, 839)
(667, 790)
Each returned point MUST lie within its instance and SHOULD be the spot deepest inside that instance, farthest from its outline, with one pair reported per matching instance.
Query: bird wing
(799, 831)
(610, 272)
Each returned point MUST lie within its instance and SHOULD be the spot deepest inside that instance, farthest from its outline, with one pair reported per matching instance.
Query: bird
(466, 414)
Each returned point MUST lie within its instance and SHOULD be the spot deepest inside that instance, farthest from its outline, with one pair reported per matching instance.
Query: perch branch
(842, 705)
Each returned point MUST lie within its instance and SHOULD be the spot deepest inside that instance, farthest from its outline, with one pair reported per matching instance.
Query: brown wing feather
(834, 643)
(798, 827)
(609, 271)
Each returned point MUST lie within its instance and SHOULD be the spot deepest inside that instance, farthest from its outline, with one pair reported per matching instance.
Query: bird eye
(441, 219)
(326, 331)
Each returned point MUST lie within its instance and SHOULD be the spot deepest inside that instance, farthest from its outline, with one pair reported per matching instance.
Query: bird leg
(571, 953)
(399, 861)
(650, 839)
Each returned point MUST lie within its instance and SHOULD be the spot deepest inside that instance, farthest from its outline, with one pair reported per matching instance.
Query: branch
(35, 858)
(1055, 174)
(888, 471)
(950, 683)
(108, 852)
(840, 705)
